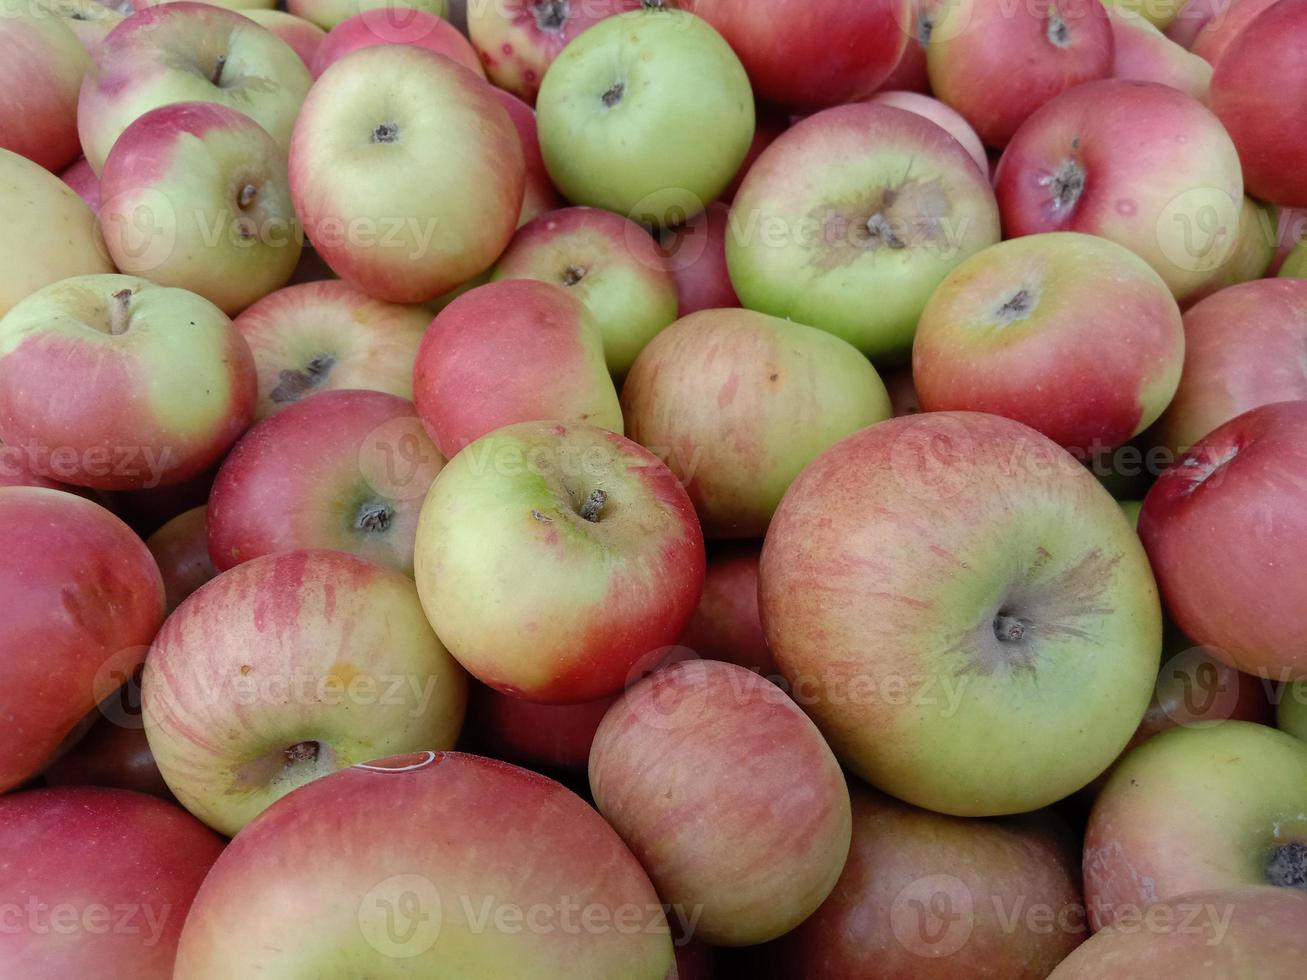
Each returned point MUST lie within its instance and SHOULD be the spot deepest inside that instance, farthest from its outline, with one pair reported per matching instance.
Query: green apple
(328, 13)
(1291, 713)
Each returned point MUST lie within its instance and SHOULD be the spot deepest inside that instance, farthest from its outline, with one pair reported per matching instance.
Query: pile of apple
(646, 489)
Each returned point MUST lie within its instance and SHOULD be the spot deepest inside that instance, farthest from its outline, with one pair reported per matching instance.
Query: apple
(1291, 712)
(696, 254)
(97, 883)
(81, 178)
(551, 558)
(16, 471)
(1159, 13)
(195, 195)
(289, 667)
(807, 56)
(997, 63)
(40, 75)
(1218, 526)
(344, 470)
(626, 110)
(726, 625)
(89, 20)
(608, 262)
(374, 121)
(850, 220)
(910, 74)
(115, 383)
(323, 336)
(902, 393)
(1294, 265)
(1194, 809)
(1192, 17)
(1291, 232)
(1254, 250)
(540, 195)
(303, 37)
(241, 5)
(483, 870)
(519, 39)
(181, 550)
(1142, 164)
(396, 26)
(48, 233)
(991, 630)
(85, 601)
(1073, 335)
(1144, 53)
(1257, 92)
(941, 115)
(738, 403)
(110, 754)
(1243, 349)
(1215, 37)
(727, 794)
(328, 13)
(768, 126)
(1247, 932)
(188, 52)
(553, 736)
(511, 351)
(928, 895)
(149, 509)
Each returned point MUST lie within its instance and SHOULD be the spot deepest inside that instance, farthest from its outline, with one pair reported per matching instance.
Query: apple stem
(613, 95)
(593, 505)
(119, 315)
(1009, 628)
(879, 227)
(374, 517)
(216, 77)
(247, 195)
(572, 275)
(301, 752)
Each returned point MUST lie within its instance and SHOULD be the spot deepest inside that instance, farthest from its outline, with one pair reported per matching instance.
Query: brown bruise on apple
(907, 214)
(294, 383)
(286, 768)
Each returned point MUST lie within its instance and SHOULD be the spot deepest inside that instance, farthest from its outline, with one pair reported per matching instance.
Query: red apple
(540, 195)
(1290, 233)
(696, 253)
(1193, 17)
(910, 74)
(17, 471)
(181, 550)
(1144, 53)
(396, 25)
(80, 177)
(767, 127)
(726, 626)
(40, 76)
(112, 754)
(1215, 37)
(530, 734)
(942, 116)
(303, 37)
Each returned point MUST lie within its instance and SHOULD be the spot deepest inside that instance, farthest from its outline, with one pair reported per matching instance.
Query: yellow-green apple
(608, 262)
(328, 13)
(1142, 52)
(1291, 712)
(40, 76)
(188, 52)
(927, 895)
(89, 20)
(997, 63)
(483, 870)
(1291, 231)
(990, 630)
(371, 118)
(1194, 809)
(850, 220)
(552, 736)
(1258, 93)
(420, 28)
(696, 254)
(1219, 526)
(1006, 333)
(49, 233)
(518, 39)
(81, 178)
(1254, 932)
(727, 794)
(303, 37)
(1243, 348)
(739, 402)
(1212, 41)
(551, 558)
(548, 362)
(181, 550)
(343, 470)
(1171, 192)
(625, 110)
(110, 754)
(289, 667)
(86, 600)
(540, 195)
(195, 195)
(726, 625)
(1159, 13)
(323, 336)
(808, 56)
(97, 882)
(1254, 250)
(115, 383)
(1294, 265)
(241, 5)
(949, 120)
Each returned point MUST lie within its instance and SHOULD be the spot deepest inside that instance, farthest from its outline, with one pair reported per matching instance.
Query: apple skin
(696, 254)
(81, 178)
(89, 20)
(1194, 809)
(48, 233)
(949, 120)
(303, 37)
(181, 550)
(1294, 265)
(40, 77)
(1216, 36)
(340, 665)
(127, 866)
(329, 13)
(802, 243)
(1291, 231)
(911, 74)
(171, 53)
(808, 56)
(517, 40)
(996, 63)
(416, 27)
(153, 404)
(1102, 159)
(739, 402)
(1011, 332)
(608, 262)
(727, 794)
(86, 601)
(768, 125)
(1192, 18)
(726, 625)
(239, 5)
(992, 565)
(371, 118)
(511, 351)
(1291, 712)
(1218, 525)
(1242, 350)
(1244, 932)
(325, 336)
(624, 109)
(1254, 250)
(537, 600)
(343, 470)
(459, 832)
(1144, 53)
(554, 736)
(210, 187)
(882, 919)
(1259, 91)
(540, 195)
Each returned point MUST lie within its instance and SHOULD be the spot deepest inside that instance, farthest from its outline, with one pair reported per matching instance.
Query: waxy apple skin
(111, 754)
(40, 76)
(540, 195)
(696, 254)
(462, 834)
(726, 625)
(181, 550)
(328, 13)
(946, 118)
(303, 37)
(415, 27)
(992, 565)
(525, 733)
(1144, 53)
(86, 600)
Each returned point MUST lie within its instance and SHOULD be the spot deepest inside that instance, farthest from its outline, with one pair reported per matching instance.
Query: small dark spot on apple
(246, 668)
(774, 376)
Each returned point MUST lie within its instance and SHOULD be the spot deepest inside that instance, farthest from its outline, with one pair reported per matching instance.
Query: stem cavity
(594, 505)
(120, 312)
